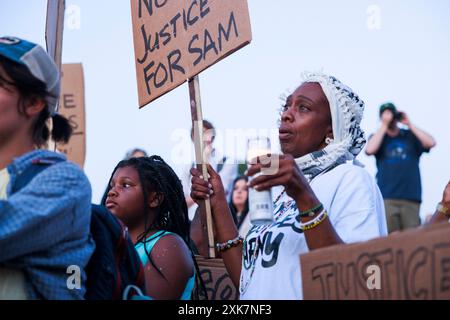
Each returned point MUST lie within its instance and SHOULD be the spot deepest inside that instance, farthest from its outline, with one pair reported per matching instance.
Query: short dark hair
(388, 106)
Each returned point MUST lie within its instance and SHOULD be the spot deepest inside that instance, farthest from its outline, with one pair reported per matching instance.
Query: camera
(398, 116)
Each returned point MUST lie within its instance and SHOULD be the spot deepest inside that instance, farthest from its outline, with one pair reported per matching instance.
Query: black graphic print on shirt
(265, 241)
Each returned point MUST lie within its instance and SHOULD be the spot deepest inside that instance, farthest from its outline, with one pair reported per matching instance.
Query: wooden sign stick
(197, 124)
(54, 28)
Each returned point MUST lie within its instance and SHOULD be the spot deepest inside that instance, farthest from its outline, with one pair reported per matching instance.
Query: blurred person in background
(224, 165)
(239, 205)
(135, 153)
(397, 152)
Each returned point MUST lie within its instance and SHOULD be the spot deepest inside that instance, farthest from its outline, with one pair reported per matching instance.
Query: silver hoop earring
(328, 140)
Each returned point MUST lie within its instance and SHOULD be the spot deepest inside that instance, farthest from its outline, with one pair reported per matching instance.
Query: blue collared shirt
(44, 228)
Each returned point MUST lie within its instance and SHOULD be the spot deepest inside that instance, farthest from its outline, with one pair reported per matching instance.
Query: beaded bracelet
(221, 247)
(314, 223)
(311, 212)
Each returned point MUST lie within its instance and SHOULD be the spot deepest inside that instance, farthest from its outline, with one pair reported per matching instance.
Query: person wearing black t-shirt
(397, 153)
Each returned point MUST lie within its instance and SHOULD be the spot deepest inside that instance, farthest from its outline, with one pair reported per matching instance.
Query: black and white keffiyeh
(346, 114)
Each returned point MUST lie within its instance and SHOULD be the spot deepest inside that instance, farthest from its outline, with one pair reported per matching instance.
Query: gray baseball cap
(38, 62)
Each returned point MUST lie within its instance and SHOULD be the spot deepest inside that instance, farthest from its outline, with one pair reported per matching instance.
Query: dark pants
(401, 214)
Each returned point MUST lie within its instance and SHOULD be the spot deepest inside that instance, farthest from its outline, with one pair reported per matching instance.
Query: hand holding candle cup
(260, 202)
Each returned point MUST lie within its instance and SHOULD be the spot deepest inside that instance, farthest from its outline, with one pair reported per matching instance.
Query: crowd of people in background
(328, 198)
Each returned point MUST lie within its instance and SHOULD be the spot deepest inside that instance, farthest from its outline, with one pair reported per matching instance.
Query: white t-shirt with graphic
(355, 208)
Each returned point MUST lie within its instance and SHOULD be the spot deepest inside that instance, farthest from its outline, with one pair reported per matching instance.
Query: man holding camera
(397, 152)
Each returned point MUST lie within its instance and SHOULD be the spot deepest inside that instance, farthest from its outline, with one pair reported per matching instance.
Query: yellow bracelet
(443, 210)
(314, 223)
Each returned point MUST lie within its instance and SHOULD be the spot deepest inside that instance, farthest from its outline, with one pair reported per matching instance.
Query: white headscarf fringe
(346, 113)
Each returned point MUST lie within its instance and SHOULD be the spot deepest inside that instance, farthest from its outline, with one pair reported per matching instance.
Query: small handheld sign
(72, 106)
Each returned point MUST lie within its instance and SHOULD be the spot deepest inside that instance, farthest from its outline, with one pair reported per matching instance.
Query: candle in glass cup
(260, 202)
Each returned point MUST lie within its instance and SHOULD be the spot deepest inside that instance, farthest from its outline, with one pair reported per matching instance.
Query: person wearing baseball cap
(45, 201)
(397, 152)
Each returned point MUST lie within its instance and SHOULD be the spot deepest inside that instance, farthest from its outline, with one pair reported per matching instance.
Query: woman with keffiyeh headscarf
(328, 197)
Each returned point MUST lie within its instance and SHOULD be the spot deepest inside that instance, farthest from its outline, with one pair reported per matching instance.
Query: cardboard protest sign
(54, 29)
(217, 281)
(175, 40)
(71, 106)
(408, 265)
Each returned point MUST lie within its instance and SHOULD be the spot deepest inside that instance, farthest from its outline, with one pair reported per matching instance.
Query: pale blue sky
(405, 61)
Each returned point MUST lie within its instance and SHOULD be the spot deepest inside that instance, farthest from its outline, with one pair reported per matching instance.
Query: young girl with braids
(146, 194)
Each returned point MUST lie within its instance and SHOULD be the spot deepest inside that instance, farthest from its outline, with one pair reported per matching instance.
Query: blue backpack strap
(38, 165)
(139, 295)
(149, 243)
